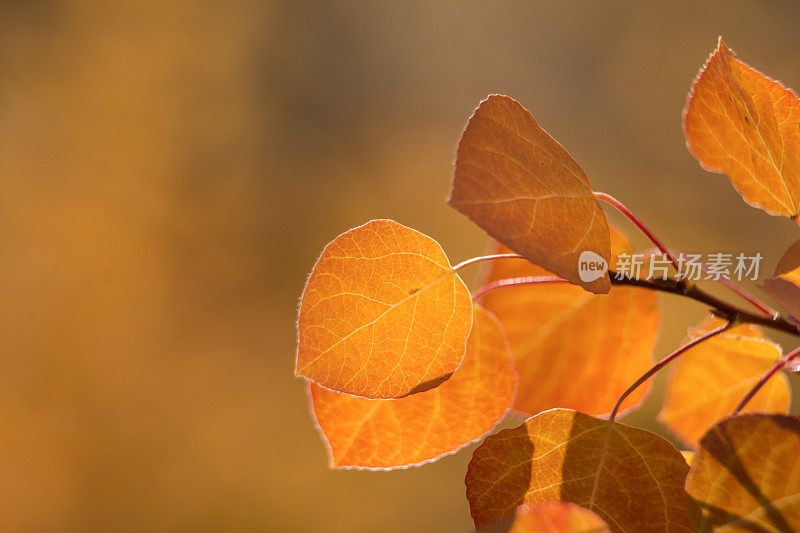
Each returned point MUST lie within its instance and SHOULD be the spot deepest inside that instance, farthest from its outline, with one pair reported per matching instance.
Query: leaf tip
(723, 48)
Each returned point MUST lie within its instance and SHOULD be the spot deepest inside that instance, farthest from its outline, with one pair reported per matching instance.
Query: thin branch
(515, 282)
(619, 206)
(647, 375)
(758, 304)
(668, 285)
(474, 260)
(627, 213)
(786, 359)
(719, 306)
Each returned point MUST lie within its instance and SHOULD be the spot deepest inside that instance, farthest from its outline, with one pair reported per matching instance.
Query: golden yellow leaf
(739, 122)
(554, 456)
(746, 475)
(381, 434)
(709, 380)
(571, 348)
(517, 183)
(383, 314)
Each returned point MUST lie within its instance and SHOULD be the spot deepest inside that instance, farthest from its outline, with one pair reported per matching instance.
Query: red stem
(474, 260)
(758, 304)
(771, 372)
(647, 375)
(514, 282)
(619, 206)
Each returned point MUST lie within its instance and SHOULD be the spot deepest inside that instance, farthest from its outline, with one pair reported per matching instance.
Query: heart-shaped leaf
(746, 476)
(554, 456)
(517, 183)
(742, 123)
(383, 314)
(709, 380)
(383, 434)
(571, 348)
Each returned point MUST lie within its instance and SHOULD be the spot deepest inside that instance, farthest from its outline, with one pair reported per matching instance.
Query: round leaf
(554, 456)
(571, 348)
(708, 381)
(383, 314)
(745, 475)
(382, 434)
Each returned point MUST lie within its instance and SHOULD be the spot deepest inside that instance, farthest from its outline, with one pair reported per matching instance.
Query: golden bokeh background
(169, 172)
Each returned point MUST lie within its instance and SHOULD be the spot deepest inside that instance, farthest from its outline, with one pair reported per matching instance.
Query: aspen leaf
(551, 517)
(739, 122)
(745, 476)
(383, 314)
(688, 455)
(784, 285)
(382, 434)
(708, 381)
(517, 183)
(571, 348)
(554, 456)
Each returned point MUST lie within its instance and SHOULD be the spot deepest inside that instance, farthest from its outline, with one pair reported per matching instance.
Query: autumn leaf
(383, 314)
(739, 122)
(551, 517)
(554, 456)
(571, 348)
(526, 191)
(381, 434)
(784, 285)
(709, 380)
(745, 475)
(688, 455)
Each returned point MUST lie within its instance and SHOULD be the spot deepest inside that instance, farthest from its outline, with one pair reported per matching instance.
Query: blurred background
(169, 172)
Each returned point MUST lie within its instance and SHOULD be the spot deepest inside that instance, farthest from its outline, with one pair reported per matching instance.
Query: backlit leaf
(784, 285)
(554, 456)
(383, 314)
(739, 122)
(689, 456)
(526, 191)
(708, 381)
(571, 348)
(407, 431)
(552, 517)
(746, 475)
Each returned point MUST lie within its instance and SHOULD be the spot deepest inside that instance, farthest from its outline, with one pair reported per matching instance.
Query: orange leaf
(382, 434)
(554, 456)
(552, 517)
(689, 456)
(524, 189)
(739, 122)
(571, 348)
(708, 381)
(746, 476)
(383, 314)
(784, 286)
